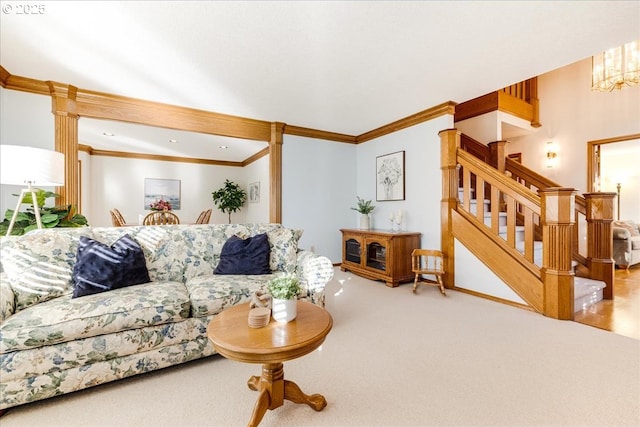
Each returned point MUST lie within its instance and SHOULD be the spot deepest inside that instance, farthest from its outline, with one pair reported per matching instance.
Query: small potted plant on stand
(365, 207)
(284, 291)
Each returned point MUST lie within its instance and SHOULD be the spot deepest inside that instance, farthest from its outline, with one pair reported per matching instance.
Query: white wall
(119, 183)
(318, 188)
(258, 171)
(25, 119)
(571, 115)
(423, 188)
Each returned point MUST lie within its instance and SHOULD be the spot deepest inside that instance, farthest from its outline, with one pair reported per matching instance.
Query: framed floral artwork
(390, 177)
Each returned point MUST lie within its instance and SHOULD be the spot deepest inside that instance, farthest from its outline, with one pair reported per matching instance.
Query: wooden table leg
(293, 393)
(274, 389)
(260, 408)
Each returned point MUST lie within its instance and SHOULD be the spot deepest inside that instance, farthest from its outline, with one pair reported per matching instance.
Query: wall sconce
(551, 155)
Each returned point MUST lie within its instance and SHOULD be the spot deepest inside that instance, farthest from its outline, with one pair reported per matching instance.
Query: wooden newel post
(497, 155)
(557, 217)
(449, 144)
(600, 239)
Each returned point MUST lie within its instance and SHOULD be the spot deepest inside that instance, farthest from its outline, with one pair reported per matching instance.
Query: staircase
(586, 291)
(523, 228)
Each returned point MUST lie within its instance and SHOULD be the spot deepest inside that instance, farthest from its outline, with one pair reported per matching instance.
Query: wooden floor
(622, 314)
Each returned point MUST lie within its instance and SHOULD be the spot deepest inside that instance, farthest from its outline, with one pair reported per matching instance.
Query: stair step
(473, 206)
(586, 292)
(537, 251)
(502, 219)
(502, 232)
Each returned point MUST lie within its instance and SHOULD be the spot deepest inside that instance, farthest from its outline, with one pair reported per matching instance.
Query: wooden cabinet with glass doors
(379, 254)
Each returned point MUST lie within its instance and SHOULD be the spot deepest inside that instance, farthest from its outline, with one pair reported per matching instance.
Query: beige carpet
(392, 359)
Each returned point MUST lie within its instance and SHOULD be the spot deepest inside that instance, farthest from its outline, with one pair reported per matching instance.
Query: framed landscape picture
(390, 177)
(165, 189)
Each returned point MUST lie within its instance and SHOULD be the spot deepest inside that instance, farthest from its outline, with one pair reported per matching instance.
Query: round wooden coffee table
(275, 343)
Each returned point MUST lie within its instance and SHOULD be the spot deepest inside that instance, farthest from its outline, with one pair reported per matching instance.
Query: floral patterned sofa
(52, 343)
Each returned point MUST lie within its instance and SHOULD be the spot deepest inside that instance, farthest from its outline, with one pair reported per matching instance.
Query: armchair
(626, 243)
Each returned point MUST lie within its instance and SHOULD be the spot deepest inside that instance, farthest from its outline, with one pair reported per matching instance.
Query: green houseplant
(284, 290)
(284, 287)
(230, 198)
(365, 207)
(56, 216)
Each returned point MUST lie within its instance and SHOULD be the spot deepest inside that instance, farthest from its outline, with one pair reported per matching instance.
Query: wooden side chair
(204, 217)
(161, 218)
(428, 262)
(116, 218)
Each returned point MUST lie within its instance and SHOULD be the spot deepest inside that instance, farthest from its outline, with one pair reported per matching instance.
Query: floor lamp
(21, 165)
(618, 187)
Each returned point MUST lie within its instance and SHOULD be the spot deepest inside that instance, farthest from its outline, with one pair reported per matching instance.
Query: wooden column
(532, 92)
(599, 217)
(557, 217)
(449, 144)
(275, 172)
(63, 101)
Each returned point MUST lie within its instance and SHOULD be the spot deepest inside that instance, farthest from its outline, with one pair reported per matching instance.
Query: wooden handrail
(474, 147)
(493, 177)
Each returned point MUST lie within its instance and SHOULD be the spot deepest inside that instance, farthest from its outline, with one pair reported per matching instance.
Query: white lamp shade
(21, 165)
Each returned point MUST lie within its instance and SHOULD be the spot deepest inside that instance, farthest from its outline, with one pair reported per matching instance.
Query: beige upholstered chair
(161, 218)
(116, 218)
(428, 262)
(204, 217)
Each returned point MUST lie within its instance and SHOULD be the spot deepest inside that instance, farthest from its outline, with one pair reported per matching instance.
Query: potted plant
(284, 291)
(51, 216)
(364, 207)
(230, 198)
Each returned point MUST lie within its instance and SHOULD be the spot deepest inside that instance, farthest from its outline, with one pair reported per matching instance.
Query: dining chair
(428, 262)
(161, 218)
(116, 218)
(204, 217)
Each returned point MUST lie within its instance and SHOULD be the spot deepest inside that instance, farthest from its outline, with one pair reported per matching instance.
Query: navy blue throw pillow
(245, 256)
(100, 268)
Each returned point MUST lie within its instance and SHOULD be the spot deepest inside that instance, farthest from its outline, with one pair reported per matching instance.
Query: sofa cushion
(39, 264)
(635, 242)
(65, 319)
(101, 268)
(245, 256)
(212, 294)
(284, 249)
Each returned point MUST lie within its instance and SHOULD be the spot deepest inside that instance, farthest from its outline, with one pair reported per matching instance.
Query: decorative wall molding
(448, 107)
(319, 134)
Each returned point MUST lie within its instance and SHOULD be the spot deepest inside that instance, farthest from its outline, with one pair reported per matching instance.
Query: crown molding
(448, 107)
(106, 106)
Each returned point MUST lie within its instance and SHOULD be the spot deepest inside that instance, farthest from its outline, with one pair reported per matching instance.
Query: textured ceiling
(346, 67)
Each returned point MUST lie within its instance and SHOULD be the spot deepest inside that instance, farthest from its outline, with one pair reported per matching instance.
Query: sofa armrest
(620, 233)
(7, 298)
(316, 271)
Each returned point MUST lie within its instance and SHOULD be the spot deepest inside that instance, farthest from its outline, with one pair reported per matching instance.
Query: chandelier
(616, 68)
